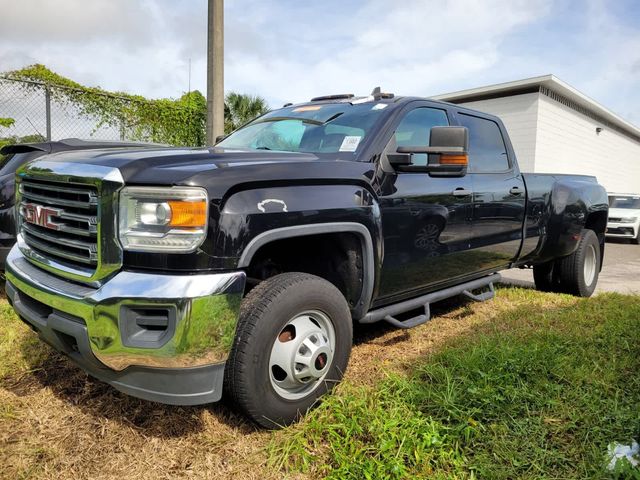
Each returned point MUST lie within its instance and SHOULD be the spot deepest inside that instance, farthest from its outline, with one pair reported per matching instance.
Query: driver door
(426, 220)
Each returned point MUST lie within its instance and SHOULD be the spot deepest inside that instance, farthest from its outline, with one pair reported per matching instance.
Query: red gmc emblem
(40, 215)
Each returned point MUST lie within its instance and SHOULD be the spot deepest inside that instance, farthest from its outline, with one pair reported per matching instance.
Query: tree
(6, 122)
(240, 109)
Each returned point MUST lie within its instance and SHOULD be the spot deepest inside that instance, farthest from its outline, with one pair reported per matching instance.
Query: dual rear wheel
(577, 273)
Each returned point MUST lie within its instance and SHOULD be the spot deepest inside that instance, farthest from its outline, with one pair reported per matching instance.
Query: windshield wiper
(332, 118)
(262, 148)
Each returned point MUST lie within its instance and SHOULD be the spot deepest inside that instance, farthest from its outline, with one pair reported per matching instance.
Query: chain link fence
(39, 111)
(38, 114)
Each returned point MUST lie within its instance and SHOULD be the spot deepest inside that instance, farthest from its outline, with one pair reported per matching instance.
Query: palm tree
(241, 108)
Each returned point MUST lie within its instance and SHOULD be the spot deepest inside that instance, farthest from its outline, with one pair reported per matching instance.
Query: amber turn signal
(454, 160)
(188, 214)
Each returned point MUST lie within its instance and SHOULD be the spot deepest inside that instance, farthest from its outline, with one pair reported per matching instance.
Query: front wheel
(292, 346)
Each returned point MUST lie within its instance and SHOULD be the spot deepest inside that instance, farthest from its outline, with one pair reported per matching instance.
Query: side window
(414, 129)
(487, 151)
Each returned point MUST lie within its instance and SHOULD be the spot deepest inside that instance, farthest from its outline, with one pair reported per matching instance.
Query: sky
(292, 50)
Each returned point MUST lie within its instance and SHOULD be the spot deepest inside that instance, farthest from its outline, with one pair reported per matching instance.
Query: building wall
(519, 114)
(567, 142)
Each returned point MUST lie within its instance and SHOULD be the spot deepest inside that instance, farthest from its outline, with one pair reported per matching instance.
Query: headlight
(628, 219)
(156, 219)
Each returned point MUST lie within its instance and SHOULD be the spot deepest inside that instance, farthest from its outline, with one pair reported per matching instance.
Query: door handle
(516, 191)
(461, 192)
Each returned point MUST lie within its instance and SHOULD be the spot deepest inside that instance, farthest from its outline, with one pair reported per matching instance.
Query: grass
(530, 385)
(19, 348)
(537, 393)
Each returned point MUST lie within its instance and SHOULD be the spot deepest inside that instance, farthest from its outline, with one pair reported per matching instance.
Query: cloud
(413, 47)
(287, 50)
(32, 22)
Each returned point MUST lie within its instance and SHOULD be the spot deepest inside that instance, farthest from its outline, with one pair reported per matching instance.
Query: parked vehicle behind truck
(177, 274)
(624, 217)
(14, 156)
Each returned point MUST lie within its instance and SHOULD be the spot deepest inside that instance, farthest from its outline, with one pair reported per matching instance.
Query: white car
(624, 217)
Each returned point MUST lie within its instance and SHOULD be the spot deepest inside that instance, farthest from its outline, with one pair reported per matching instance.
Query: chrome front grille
(59, 222)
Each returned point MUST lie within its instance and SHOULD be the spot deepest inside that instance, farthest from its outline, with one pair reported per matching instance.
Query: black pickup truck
(178, 274)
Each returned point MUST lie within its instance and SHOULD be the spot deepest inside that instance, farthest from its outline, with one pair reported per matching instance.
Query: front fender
(297, 211)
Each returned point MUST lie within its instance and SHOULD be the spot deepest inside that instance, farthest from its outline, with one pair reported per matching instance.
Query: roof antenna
(34, 127)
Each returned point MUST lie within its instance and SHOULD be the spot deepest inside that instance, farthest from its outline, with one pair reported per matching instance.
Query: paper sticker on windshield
(309, 108)
(350, 143)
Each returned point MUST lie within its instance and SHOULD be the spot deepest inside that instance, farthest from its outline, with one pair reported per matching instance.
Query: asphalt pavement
(620, 272)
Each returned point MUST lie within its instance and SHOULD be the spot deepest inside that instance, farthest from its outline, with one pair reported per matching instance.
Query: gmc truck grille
(59, 221)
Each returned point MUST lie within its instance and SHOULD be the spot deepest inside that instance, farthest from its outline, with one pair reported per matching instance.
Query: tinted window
(415, 128)
(487, 151)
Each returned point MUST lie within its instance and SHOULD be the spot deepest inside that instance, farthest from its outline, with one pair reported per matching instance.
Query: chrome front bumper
(136, 323)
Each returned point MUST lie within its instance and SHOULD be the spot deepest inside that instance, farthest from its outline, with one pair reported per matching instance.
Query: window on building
(487, 151)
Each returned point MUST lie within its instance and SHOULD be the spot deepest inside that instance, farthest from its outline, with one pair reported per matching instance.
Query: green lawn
(539, 392)
(530, 385)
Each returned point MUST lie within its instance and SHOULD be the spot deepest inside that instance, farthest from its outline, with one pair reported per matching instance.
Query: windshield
(327, 128)
(625, 202)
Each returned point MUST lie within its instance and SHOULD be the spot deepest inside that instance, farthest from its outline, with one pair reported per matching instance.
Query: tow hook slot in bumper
(387, 314)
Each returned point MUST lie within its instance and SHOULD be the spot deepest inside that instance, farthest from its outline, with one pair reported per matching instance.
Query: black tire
(637, 239)
(264, 312)
(543, 277)
(572, 268)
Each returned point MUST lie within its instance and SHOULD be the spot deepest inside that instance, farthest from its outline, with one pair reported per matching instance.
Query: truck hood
(138, 163)
(624, 213)
(216, 169)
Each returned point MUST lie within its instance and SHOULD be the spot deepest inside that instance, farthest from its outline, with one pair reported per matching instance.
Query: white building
(556, 129)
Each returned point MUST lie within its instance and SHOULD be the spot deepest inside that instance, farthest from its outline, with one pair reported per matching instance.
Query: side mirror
(219, 138)
(448, 153)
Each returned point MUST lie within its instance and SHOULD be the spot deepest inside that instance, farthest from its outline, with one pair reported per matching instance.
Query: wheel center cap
(321, 361)
(311, 358)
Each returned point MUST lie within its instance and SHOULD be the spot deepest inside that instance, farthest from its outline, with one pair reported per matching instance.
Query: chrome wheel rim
(302, 354)
(590, 266)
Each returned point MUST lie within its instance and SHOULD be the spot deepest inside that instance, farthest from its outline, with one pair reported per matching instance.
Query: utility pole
(215, 71)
